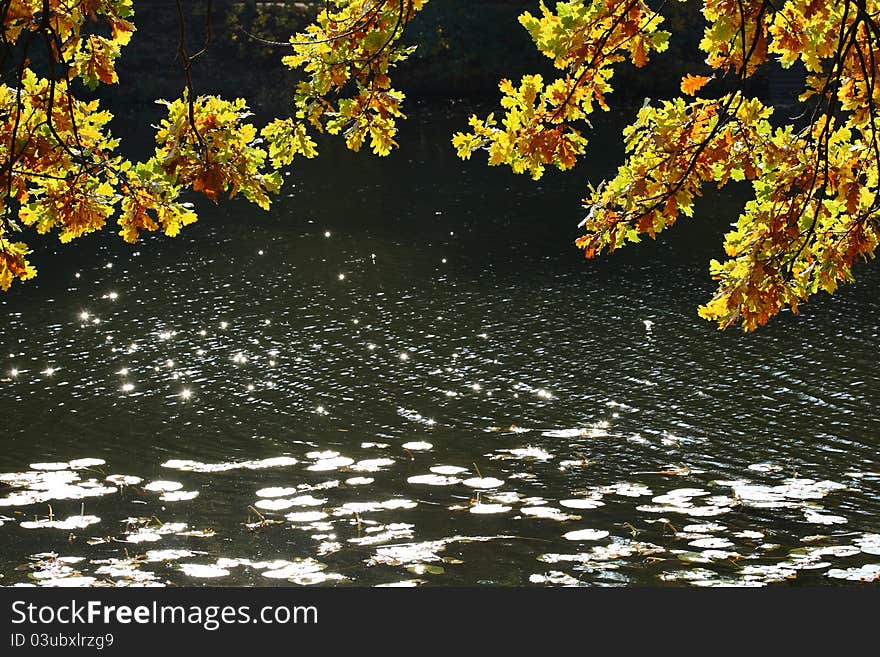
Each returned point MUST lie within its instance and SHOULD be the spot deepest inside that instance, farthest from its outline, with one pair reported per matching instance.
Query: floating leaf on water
(748, 533)
(867, 573)
(869, 543)
(823, 519)
(836, 551)
(806, 564)
(447, 469)
(124, 480)
(372, 465)
(672, 501)
(569, 463)
(168, 555)
(706, 511)
(405, 583)
(124, 569)
(535, 453)
(369, 445)
(78, 464)
(296, 568)
(482, 508)
(325, 454)
(350, 508)
(73, 522)
(425, 569)
(586, 535)
(433, 480)
(324, 485)
(161, 486)
(582, 557)
(692, 575)
(203, 570)
(688, 492)
(399, 503)
(711, 543)
(273, 504)
(325, 465)
(310, 579)
(555, 577)
(708, 527)
(308, 500)
(274, 462)
(306, 516)
(328, 547)
(765, 467)
(504, 497)
(768, 573)
(627, 489)
(179, 495)
(565, 433)
(384, 533)
(483, 482)
(50, 466)
(196, 466)
(359, 481)
(143, 536)
(417, 445)
(276, 491)
(78, 581)
(548, 513)
(581, 503)
(769, 547)
(408, 553)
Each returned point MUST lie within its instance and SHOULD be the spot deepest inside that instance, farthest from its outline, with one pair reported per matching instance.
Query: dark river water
(405, 373)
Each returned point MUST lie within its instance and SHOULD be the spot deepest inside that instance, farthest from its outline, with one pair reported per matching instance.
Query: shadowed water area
(405, 373)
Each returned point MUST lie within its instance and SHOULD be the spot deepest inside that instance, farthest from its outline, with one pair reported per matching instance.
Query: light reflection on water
(389, 383)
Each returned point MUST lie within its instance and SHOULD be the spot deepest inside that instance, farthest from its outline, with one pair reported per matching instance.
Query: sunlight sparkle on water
(186, 393)
(127, 387)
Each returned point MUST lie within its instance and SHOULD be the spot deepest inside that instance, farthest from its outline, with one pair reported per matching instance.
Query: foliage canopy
(814, 212)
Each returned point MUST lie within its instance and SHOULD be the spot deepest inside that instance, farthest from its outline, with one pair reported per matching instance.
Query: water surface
(406, 374)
